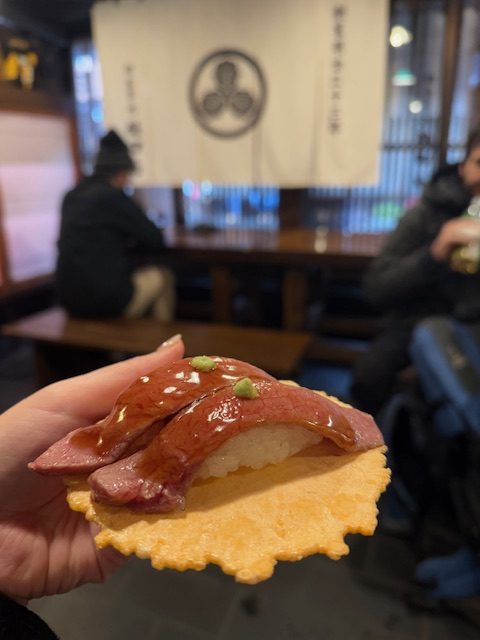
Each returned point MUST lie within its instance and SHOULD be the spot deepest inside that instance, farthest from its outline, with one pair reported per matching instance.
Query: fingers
(454, 233)
(464, 229)
(92, 395)
(109, 559)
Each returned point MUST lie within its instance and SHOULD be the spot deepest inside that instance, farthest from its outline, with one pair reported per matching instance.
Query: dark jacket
(405, 281)
(100, 226)
(19, 623)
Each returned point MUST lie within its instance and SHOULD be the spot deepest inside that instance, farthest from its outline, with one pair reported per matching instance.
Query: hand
(454, 233)
(45, 548)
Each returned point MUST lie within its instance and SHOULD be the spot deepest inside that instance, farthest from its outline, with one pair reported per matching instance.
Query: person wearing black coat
(412, 278)
(101, 231)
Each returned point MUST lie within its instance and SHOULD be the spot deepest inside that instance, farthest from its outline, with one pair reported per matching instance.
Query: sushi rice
(256, 448)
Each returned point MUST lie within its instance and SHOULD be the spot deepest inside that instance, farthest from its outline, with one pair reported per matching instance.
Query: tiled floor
(358, 598)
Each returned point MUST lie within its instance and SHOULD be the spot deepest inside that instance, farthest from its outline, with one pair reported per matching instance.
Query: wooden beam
(4, 276)
(475, 111)
(25, 286)
(15, 99)
(453, 27)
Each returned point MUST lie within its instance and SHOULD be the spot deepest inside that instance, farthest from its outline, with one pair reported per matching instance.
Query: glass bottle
(466, 259)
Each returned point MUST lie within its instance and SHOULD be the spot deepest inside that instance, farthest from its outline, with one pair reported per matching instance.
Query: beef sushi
(215, 445)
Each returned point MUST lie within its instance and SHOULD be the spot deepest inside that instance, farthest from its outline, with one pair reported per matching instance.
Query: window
(36, 168)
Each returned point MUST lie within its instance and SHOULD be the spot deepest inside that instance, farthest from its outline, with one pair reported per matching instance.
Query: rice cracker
(249, 519)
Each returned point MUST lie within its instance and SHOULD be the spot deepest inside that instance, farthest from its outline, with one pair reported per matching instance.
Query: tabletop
(294, 251)
(285, 246)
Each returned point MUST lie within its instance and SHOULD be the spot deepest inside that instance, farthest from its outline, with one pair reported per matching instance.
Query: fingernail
(168, 343)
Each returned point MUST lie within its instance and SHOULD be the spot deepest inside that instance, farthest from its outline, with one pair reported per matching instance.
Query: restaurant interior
(269, 272)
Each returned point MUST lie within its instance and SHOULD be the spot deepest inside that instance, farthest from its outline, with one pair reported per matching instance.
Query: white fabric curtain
(286, 92)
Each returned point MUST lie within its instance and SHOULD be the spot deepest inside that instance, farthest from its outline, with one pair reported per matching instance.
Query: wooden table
(293, 250)
(59, 338)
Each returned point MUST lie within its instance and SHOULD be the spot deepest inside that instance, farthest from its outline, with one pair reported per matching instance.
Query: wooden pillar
(289, 210)
(4, 275)
(222, 293)
(453, 28)
(294, 299)
(179, 208)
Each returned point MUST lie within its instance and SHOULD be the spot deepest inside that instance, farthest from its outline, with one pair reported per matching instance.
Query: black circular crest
(227, 93)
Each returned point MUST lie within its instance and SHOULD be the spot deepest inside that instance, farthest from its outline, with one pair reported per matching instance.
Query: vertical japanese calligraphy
(133, 127)
(339, 12)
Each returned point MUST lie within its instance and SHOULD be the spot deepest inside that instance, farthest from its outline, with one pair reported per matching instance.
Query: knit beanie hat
(113, 155)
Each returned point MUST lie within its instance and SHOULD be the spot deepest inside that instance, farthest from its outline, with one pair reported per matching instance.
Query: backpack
(446, 356)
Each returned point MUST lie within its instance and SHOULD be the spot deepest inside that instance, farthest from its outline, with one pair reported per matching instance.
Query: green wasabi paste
(244, 389)
(203, 363)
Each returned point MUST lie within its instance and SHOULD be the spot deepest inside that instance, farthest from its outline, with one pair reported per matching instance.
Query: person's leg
(375, 372)
(150, 284)
(164, 305)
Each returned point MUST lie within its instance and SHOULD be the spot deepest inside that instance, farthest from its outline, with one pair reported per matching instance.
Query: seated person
(412, 278)
(103, 235)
